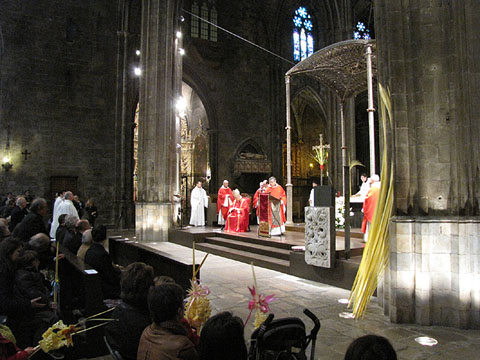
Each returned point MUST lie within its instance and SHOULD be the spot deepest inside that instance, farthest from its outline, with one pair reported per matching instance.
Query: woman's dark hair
(137, 279)
(370, 347)
(99, 233)
(26, 259)
(164, 301)
(222, 338)
(7, 248)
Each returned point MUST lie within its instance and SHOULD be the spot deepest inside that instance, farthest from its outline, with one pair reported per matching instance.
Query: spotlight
(426, 341)
(6, 164)
(138, 52)
(346, 315)
(179, 34)
(181, 51)
(181, 106)
(343, 301)
(137, 71)
(181, 18)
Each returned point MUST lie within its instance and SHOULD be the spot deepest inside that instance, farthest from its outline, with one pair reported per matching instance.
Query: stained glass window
(194, 21)
(361, 32)
(303, 44)
(204, 25)
(202, 29)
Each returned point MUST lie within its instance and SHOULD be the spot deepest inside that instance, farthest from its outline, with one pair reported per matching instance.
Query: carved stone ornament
(319, 236)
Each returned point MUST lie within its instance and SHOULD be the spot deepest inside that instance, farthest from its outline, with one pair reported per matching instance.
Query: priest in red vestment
(261, 189)
(277, 191)
(370, 204)
(237, 220)
(224, 200)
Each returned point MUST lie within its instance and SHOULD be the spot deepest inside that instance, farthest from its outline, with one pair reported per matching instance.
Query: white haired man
(224, 200)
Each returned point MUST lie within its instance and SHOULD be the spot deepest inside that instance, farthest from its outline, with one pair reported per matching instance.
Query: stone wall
(57, 96)
(434, 272)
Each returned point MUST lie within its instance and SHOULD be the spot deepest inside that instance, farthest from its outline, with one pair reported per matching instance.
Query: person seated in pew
(99, 259)
(31, 284)
(238, 214)
(71, 238)
(74, 242)
(166, 338)
(223, 338)
(62, 229)
(87, 241)
(10, 351)
(16, 307)
(132, 313)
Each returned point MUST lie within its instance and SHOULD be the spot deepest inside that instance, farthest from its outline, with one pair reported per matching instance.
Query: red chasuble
(222, 194)
(255, 200)
(369, 206)
(278, 193)
(237, 220)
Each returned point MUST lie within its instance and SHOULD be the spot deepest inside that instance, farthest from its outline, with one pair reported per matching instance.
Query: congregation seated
(61, 229)
(87, 241)
(99, 259)
(4, 231)
(238, 214)
(16, 307)
(132, 313)
(72, 240)
(31, 284)
(370, 347)
(6, 210)
(18, 213)
(223, 338)
(32, 223)
(40, 243)
(166, 338)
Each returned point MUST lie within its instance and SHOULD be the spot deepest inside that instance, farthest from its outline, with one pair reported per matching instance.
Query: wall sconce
(6, 164)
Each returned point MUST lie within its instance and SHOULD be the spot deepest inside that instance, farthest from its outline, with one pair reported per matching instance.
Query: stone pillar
(157, 129)
(426, 54)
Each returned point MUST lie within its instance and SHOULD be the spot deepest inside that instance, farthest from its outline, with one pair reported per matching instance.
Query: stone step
(239, 244)
(275, 241)
(246, 257)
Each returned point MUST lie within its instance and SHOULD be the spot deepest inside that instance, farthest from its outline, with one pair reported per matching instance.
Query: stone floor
(228, 281)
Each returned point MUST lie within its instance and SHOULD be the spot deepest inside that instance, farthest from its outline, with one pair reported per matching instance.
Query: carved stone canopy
(341, 67)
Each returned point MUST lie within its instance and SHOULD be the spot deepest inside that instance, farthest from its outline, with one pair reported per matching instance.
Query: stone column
(426, 54)
(157, 131)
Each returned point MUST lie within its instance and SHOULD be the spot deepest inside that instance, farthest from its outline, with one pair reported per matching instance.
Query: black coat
(124, 334)
(29, 283)
(16, 217)
(60, 233)
(12, 303)
(72, 241)
(99, 259)
(31, 224)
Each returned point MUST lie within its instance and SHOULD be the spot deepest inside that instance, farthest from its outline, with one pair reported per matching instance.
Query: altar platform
(275, 253)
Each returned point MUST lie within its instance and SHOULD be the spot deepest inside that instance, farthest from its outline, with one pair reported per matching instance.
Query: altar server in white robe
(198, 201)
(63, 207)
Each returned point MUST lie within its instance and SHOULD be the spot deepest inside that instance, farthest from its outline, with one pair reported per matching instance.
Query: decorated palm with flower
(197, 308)
(260, 304)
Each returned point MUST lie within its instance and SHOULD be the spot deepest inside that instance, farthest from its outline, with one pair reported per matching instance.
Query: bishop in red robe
(238, 214)
(224, 201)
(277, 191)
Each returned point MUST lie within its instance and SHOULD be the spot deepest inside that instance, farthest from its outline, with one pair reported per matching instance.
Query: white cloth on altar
(198, 201)
(63, 207)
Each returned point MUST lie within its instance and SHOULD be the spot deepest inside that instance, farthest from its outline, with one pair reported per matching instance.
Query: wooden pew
(81, 288)
(124, 252)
